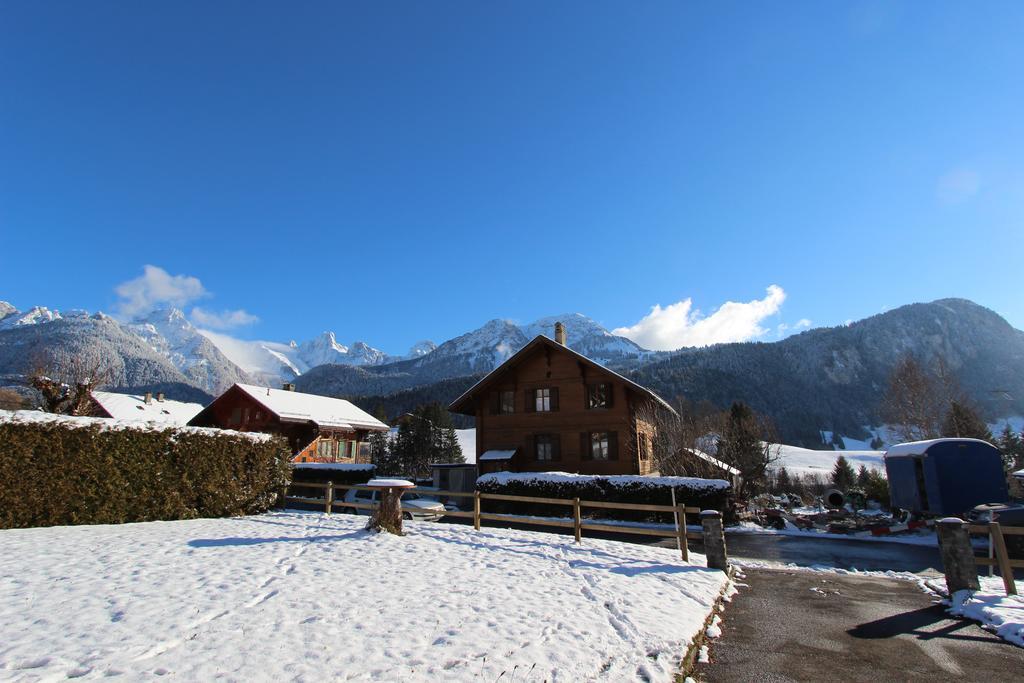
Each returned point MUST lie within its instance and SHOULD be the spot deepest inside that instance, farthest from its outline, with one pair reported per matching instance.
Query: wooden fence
(577, 522)
(998, 556)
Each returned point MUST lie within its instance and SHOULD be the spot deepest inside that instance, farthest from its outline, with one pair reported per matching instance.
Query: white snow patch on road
(305, 596)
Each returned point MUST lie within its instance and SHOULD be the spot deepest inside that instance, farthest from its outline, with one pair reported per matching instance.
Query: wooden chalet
(318, 428)
(549, 408)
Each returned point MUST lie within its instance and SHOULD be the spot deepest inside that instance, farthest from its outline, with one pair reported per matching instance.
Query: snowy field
(304, 596)
(804, 461)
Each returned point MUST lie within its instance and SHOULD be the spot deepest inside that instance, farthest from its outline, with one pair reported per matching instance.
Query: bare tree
(66, 383)
(917, 401)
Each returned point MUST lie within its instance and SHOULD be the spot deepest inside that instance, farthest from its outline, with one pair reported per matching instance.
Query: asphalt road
(800, 626)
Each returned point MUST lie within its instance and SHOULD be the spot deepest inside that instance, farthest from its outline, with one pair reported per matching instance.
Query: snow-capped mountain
(168, 332)
(587, 337)
(420, 349)
(325, 350)
(11, 317)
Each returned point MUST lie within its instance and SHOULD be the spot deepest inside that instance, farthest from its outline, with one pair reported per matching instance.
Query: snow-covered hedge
(337, 472)
(703, 493)
(58, 470)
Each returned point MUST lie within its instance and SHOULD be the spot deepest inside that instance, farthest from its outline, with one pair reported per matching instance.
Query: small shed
(460, 477)
(945, 476)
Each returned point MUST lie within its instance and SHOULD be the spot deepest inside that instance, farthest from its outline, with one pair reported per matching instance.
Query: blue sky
(397, 171)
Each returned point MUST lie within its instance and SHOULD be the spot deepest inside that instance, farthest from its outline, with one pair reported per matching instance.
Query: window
(599, 395)
(544, 447)
(506, 402)
(364, 494)
(542, 400)
(599, 445)
(327, 448)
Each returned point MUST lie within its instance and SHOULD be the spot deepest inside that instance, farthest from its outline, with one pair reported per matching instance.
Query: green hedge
(56, 471)
(707, 494)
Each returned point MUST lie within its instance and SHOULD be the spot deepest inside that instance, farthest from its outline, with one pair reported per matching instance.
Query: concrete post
(957, 555)
(714, 539)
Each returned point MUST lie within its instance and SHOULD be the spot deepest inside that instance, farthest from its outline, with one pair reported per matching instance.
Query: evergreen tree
(380, 450)
(877, 443)
(877, 487)
(1012, 446)
(843, 475)
(963, 422)
(744, 443)
(863, 477)
(782, 481)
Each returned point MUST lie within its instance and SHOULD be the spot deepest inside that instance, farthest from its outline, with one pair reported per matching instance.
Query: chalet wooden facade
(318, 428)
(548, 408)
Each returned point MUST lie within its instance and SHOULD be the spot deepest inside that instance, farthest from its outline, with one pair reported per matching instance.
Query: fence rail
(577, 522)
(999, 556)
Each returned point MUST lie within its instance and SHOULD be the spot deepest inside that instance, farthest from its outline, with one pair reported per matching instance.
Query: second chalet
(549, 408)
(318, 428)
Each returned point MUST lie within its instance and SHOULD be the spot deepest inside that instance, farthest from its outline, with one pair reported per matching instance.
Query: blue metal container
(945, 476)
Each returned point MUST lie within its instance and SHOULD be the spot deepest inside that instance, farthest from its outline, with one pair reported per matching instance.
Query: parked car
(421, 509)
(1008, 515)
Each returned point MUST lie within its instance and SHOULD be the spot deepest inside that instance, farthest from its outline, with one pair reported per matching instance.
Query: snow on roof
(714, 461)
(324, 411)
(105, 423)
(134, 407)
(497, 455)
(614, 480)
(920, 447)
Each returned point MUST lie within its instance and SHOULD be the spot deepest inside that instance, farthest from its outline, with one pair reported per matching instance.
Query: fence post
(714, 539)
(577, 522)
(282, 497)
(684, 547)
(476, 510)
(996, 538)
(329, 497)
(957, 555)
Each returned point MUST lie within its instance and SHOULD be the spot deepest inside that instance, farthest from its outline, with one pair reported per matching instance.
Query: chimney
(160, 397)
(560, 333)
(148, 398)
(288, 386)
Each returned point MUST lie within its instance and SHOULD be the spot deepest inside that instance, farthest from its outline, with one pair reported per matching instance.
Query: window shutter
(556, 446)
(585, 452)
(531, 449)
(613, 445)
(554, 398)
(609, 394)
(531, 405)
(495, 402)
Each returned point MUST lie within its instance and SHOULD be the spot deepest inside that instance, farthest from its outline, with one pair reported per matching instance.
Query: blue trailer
(945, 476)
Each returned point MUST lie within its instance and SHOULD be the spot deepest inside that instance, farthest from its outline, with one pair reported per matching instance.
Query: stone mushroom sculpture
(388, 515)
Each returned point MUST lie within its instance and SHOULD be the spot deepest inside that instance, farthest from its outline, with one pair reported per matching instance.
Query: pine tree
(782, 481)
(863, 477)
(963, 422)
(877, 487)
(843, 475)
(744, 443)
(1012, 446)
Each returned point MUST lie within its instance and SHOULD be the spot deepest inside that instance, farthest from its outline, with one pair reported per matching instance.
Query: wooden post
(684, 547)
(329, 497)
(388, 515)
(996, 539)
(282, 497)
(577, 522)
(476, 510)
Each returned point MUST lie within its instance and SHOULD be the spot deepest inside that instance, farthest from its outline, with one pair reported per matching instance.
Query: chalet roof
(133, 407)
(324, 411)
(463, 403)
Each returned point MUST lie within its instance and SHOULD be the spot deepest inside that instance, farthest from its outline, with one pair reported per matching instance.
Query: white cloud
(224, 320)
(679, 324)
(802, 322)
(958, 185)
(155, 287)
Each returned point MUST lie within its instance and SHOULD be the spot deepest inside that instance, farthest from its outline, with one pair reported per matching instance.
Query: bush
(339, 473)
(57, 470)
(707, 494)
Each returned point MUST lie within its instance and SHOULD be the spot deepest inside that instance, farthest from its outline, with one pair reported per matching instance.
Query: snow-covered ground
(998, 612)
(304, 596)
(926, 537)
